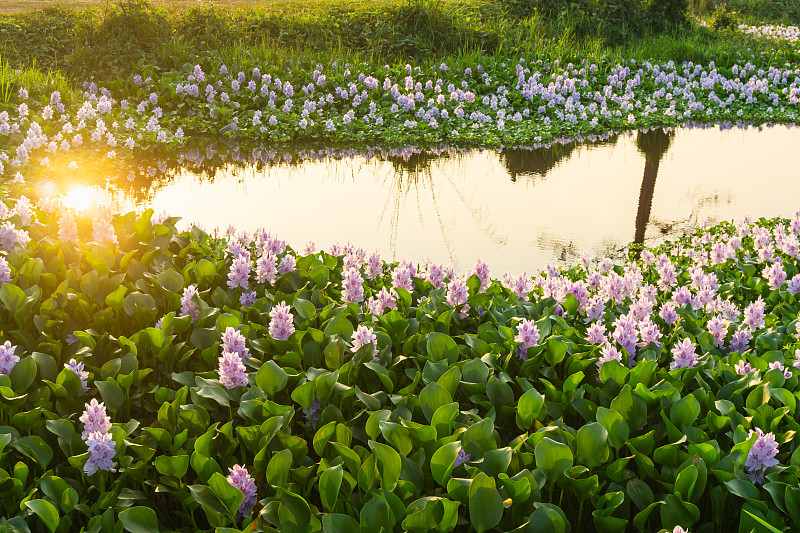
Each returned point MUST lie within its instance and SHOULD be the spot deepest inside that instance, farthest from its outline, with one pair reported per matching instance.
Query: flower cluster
(77, 367)
(7, 357)
(280, 324)
(527, 336)
(761, 455)
(364, 335)
(96, 426)
(240, 479)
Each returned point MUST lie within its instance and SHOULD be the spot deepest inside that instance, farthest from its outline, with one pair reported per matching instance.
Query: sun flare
(82, 198)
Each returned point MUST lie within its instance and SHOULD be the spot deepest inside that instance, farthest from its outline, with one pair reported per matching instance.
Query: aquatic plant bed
(162, 380)
(486, 102)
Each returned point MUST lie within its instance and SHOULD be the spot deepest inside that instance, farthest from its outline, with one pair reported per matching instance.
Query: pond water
(515, 209)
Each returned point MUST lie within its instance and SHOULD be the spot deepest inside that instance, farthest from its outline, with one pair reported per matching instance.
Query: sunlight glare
(81, 198)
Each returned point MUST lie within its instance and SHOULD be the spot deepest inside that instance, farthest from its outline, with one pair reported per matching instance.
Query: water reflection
(517, 208)
(653, 145)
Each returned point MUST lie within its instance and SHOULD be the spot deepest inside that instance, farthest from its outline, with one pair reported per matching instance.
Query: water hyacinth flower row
(253, 385)
(524, 103)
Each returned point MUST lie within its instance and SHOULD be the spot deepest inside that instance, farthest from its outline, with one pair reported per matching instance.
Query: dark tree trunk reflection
(654, 145)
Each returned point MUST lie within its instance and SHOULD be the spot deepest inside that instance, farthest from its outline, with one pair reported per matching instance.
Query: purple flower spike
(761, 455)
(462, 457)
(313, 412)
(241, 480)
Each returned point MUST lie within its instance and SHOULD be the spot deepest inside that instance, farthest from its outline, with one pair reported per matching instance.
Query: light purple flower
(481, 269)
(776, 365)
(313, 413)
(775, 275)
(608, 352)
(77, 367)
(240, 479)
(741, 340)
(374, 266)
(754, 314)
(401, 278)
(761, 456)
(527, 335)
(457, 292)
(461, 457)
(94, 419)
(7, 358)
(248, 298)
(280, 324)
(239, 272)
(385, 298)
(101, 452)
(352, 283)
(234, 341)
(266, 269)
(668, 313)
(287, 264)
(188, 307)
(596, 333)
(743, 368)
(362, 336)
(719, 329)
(232, 372)
(683, 354)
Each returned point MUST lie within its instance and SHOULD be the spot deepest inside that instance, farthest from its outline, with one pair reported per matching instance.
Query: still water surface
(516, 209)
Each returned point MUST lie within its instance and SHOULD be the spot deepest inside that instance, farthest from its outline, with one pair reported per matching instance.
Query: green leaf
(340, 523)
(485, 503)
(294, 513)
(171, 280)
(116, 298)
(592, 445)
(139, 519)
(440, 346)
(618, 431)
(228, 495)
(175, 466)
(553, 458)
(271, 378)
(529, 408)
(278, 468)
(112, 394)
(329, 483)
(204, 272)
(443, 418)
(389, 464)
(23, 374)
(431, 513)
(432, 397)
(556, 350)
(442, 462)
(377, 516)
(46, 511)
(743, 489)
(685, 411)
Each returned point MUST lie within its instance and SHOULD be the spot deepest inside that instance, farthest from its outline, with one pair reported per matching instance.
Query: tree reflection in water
(653, 144)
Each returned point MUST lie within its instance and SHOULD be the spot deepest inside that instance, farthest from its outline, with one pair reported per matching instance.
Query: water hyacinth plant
(644, 397)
